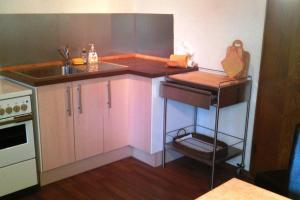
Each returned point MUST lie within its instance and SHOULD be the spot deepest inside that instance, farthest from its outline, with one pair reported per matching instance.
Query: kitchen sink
(49, 71)
(58, 70)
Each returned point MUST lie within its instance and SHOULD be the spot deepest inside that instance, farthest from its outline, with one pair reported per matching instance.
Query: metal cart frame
(216, 131)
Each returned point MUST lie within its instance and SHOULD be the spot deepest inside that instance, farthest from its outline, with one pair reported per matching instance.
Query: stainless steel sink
(49, 71)
(58, 70)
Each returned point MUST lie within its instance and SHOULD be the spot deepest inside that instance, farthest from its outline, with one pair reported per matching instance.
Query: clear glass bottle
(92, 57)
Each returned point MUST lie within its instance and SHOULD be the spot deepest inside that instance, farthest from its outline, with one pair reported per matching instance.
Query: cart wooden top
(205, 79)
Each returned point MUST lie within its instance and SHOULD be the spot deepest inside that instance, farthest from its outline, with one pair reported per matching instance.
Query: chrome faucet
(65, 53)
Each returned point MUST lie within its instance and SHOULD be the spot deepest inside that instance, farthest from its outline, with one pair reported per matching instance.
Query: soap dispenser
(92, 56)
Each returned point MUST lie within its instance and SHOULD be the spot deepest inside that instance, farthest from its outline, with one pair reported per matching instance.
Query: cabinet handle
(109, 94)
(69, 111)
(79, 99)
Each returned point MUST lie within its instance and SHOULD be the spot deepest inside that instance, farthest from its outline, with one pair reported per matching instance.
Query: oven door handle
(15, 120)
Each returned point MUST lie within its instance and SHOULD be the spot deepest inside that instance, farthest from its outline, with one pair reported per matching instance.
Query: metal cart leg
(195, 118)
(164, 132)
(242, 164)
(215, 140)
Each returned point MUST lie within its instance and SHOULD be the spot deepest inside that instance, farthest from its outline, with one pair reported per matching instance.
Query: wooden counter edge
(104, 58)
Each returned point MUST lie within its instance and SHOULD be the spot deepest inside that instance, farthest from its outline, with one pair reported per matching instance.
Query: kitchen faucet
(65, 53)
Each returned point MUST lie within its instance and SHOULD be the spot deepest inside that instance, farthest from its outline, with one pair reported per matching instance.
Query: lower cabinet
(140, 92)
(81, 119)
(84, 118)
(88, 117)
(56, 125)
(116, 114)
(146, 114)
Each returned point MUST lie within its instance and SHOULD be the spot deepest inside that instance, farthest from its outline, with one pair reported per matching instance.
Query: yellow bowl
(77, 61)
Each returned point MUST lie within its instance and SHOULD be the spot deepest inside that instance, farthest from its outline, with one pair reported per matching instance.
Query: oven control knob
(16, 108)
(2, 111)
(24, 107)
(8, 110)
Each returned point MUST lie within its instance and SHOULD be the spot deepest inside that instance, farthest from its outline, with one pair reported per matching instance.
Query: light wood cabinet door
(88, 117)
(56, 125)
(140, 90)
(116, 114)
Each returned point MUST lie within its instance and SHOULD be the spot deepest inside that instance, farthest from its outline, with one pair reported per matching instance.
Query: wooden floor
(131, 179)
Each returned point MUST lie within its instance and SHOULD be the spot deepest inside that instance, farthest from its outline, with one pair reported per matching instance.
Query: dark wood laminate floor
(131, 179)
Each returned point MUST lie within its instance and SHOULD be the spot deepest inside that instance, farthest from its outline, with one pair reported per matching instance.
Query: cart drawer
(188, 95)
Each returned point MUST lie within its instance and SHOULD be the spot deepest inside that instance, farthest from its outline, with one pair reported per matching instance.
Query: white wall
(66, 6)
(209, 27)
(206, 26)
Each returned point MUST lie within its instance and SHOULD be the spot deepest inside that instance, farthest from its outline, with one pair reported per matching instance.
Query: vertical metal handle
(69, 111)
(109, 94)
(79, 98)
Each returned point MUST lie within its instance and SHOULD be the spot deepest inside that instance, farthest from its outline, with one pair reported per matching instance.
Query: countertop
(136, 64)
(9, 89)
(237, 189)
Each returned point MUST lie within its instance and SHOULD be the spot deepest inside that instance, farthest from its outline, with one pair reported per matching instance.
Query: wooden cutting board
(236, 62)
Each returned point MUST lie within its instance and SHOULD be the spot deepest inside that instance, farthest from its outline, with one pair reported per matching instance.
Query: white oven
(17, 149)
(16, 140)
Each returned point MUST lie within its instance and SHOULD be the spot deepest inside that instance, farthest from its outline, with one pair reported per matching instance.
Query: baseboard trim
(155, 159)
(84, 165)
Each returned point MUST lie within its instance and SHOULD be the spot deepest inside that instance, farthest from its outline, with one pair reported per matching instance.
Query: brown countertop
(136, 64)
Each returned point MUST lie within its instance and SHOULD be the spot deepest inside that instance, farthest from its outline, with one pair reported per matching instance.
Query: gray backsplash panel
(154, 34)
(123, 33)
(79, 30)
(28, 38)
(33, 38)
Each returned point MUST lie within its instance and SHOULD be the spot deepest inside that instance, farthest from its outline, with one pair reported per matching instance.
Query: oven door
(16, 141)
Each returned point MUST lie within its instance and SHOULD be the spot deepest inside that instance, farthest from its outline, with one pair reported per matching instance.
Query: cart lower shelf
(232, 152)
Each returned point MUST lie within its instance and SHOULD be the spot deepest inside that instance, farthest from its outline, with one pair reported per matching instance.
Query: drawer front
(234, 94)
(186, 95)
(17, 177)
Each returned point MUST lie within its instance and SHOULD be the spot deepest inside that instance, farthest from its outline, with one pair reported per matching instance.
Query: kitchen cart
(203, 89)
